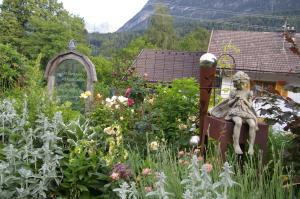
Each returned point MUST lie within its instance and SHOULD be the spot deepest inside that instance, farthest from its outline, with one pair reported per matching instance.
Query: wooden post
(208, 63)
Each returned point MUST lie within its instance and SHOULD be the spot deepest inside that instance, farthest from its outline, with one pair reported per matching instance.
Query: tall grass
(254, 179)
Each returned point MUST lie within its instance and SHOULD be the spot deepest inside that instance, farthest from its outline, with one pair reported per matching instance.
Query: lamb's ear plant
(160, 192)
(226, 181)
(126, 189)
(193, 180)
(8, 117)
(123, 190)
(30, 165)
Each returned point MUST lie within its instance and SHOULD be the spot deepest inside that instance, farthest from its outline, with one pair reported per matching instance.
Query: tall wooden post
(208, 63)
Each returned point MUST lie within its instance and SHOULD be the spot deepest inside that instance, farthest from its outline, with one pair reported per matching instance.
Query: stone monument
(68, 75)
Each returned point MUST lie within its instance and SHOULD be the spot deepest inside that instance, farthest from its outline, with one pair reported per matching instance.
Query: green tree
(11, 31)
(196, 40)
(37, 27)
(161, 32)
(12, 68)
(51, 37)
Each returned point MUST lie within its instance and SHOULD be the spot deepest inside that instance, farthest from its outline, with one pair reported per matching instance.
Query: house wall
(273, 77)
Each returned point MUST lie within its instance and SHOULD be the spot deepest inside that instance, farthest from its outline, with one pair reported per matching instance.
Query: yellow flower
(88, 93)
(182, 126)
(113, 130)
(85, 95)
(109, 131)
(99, 96)
(77, 150)
(154, 146)
(192, 118)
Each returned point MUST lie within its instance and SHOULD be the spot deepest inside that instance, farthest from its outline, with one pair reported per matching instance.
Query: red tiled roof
(258, 51)
(166, 66)
(255, 51)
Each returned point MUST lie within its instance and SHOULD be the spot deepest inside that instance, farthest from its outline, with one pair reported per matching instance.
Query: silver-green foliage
(198, 183)
(31, 153)
(126, 189)
(161, 193)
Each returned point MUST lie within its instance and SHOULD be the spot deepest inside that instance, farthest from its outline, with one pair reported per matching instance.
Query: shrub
(12, 68)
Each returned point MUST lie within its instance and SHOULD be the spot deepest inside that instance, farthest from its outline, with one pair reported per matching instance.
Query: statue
(238, 108)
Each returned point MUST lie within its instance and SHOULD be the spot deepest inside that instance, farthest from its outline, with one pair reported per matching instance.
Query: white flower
(123, 100)
(115, 101)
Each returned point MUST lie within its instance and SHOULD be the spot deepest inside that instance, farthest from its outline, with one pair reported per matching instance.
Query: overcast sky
(104, 15)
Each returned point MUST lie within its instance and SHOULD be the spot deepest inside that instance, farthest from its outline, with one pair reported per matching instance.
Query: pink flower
(128, 92)
(208, 167)
(115, 176)
(180, 161)
(146, 171)
(148, 189)
(200, 158)
(181, 153)
(130, 102)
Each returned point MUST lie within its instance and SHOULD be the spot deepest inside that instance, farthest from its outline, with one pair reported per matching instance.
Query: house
(165, 65)
(271, 59)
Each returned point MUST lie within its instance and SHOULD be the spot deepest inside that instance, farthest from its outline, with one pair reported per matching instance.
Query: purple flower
(123, 170)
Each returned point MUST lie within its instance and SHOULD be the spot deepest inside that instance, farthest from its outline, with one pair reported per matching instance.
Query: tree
(37, 27)
(196, 40)
(161, 32)
(12, 68)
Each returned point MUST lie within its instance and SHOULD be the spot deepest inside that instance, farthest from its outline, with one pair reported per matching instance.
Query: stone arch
(54, 63)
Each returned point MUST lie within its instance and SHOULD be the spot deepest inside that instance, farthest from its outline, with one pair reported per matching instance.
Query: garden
(133, 140)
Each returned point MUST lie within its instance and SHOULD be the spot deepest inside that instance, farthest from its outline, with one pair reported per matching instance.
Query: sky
(103, 15)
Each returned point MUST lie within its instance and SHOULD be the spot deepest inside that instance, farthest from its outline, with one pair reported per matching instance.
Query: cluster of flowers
(185, 157)
(114, 142)
(121, 171)
(113, 130)
(147, 172)
(153, 146)
(183, 127)
(85, 95)
(116, 101)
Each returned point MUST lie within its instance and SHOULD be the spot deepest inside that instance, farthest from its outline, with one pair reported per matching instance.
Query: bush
(48, 157)
(12, 68)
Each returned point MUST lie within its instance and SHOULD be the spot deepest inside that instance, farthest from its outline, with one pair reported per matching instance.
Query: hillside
(218, 11)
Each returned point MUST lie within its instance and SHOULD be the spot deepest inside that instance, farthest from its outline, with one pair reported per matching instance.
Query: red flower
(128, 92)
(130, 102)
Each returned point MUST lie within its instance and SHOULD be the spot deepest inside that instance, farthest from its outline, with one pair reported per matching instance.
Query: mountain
(218, 11)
